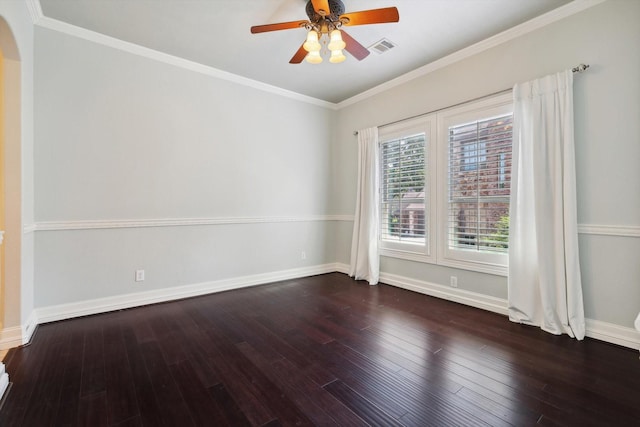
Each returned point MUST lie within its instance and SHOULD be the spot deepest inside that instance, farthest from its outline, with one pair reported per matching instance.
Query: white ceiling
(216, 33)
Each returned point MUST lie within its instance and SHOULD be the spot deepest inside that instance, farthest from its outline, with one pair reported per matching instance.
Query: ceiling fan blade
(279, 26)
(354, 47)
(373, 16)
(321, 7)
(299, 55)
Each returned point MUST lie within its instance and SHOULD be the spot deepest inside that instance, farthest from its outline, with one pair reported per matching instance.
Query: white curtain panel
(365, 259)
(545, 287)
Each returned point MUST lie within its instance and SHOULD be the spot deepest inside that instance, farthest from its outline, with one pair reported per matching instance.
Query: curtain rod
(579, 69)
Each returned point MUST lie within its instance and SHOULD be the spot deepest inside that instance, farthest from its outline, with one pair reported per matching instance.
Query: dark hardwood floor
(324, 350)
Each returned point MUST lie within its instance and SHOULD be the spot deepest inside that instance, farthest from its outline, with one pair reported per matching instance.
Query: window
(403, 189)
(405, 222)
(445, 186)
(474, 185)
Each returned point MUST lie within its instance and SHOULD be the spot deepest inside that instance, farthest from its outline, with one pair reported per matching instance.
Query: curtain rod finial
(580, 68)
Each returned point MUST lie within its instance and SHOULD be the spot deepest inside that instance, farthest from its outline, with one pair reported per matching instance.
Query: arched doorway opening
(10, 185)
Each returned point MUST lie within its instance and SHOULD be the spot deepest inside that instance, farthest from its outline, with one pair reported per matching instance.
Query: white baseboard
(614, 334)
(4, 380)
(473, 299)
(29, 327)
(119, 302)
(15, 336)
(11, 337)
(603, 331)
(18, 335)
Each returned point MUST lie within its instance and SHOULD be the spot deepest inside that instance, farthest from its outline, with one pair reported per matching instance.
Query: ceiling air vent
(382, 46)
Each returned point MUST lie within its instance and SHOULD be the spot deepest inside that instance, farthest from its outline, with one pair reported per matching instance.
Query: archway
(10, 184)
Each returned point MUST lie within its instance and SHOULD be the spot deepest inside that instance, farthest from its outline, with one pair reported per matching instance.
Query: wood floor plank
(121, 398)
(44, 400)
(195, 395)
(93, 410)
(240, 369)
(360, 405)
(29, 362)
(93, 366)
(171, 404)
(321, 350)
(288, 386)
(228, 410)
(148, 406)
(71, 366)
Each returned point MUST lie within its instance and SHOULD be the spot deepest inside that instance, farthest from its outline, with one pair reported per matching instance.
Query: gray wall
(121, 137)
(607, 109)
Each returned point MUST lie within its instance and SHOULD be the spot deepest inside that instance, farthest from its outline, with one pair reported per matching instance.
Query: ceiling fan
(326, 19)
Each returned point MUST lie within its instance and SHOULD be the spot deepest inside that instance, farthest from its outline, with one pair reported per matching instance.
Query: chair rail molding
(610, 230)
(176, 222)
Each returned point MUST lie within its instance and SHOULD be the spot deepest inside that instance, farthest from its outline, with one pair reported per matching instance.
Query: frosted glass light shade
(336, 42)
(312, 44)
(314, 57)
(337, 56)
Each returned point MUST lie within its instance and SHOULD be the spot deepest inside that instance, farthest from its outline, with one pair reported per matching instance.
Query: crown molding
(541, 21)
(35, 10)
(555, 15)
(102, 39)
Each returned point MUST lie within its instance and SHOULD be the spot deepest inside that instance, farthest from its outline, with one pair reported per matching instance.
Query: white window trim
(435, 127)
(405, 250)
(492, 263)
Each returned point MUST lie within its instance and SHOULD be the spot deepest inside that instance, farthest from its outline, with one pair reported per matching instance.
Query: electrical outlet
(303, 255)
(453, 281)
(139, 275)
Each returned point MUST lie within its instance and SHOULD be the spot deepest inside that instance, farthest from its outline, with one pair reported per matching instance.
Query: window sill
(476, 266)
(410, 256)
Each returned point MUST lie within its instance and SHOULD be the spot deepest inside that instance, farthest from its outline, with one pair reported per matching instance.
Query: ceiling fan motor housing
(337, 9)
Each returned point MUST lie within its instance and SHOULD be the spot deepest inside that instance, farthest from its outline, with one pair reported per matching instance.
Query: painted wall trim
(610, 230)
(35, 10)
(4, 380)
(11, 337)
(18, 335)
(503, 37)
(611, 333)
(175, 222)
(15, 336)
(119, 302)
(473, 299)
(603, 331)
(53, 24)
(562, 12)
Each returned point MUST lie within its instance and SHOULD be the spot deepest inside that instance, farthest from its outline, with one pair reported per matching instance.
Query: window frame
(422, 252)
(435, 126)
(485, 262)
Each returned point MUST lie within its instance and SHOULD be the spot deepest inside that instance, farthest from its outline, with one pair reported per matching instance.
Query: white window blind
(403, 189)
(479, 175)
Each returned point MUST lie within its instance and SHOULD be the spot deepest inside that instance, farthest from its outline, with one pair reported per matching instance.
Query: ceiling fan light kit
(312, 44)
(337, 56)
(336, 42)
(326, 19)
(314, 57)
